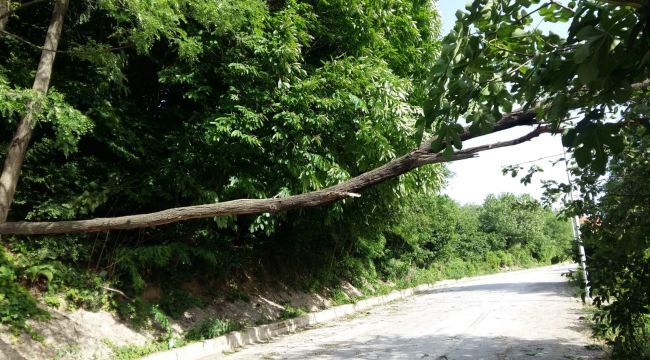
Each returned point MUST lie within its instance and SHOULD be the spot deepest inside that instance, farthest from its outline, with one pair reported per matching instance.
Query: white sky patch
(474, 179)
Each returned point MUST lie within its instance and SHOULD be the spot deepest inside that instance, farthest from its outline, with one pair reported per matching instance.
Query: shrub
(17, 305)
(211, 328)
(290, 312)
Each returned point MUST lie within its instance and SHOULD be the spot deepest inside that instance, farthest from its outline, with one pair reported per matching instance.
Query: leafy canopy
(497, 58)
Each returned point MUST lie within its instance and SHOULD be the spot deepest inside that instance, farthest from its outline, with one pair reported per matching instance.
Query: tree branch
(533, 134)
(518, 117)
(20, 7)
(73, 51)
(414, 159)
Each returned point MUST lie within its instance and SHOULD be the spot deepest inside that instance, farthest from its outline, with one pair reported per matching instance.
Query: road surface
(529, 314)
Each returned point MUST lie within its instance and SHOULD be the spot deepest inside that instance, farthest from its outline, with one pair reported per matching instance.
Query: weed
(52, 300)
(211, 328)
(129, 352)
(17, 305)
(290, 312)
(339, 297)
(67, 352)
(235, 294)
(175, 302)
(145, 315)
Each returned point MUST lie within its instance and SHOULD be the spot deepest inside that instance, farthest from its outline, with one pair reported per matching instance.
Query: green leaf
(589, 32)
(559, 108)
(519, 33)
(581, 54)
(582, 155)
(616, 144)
(569, 138)
(588, 72)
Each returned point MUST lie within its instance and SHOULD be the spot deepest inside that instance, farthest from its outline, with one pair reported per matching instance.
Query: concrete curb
(236, 339)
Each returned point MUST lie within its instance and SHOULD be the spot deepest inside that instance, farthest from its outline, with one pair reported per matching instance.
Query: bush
(290, 312)
(505, 259)
(211, 328)
(492, 260)
(17, 305)
(455, 269)
(396, 269)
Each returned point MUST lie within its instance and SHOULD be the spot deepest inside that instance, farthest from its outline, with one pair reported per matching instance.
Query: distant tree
(518, 220)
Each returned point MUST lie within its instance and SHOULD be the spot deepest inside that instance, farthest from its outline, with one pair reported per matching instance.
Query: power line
(542, 158)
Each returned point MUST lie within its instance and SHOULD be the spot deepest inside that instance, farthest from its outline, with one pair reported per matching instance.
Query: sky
(474, 179)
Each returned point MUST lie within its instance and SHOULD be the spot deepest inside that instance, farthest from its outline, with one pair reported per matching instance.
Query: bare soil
(83, 334)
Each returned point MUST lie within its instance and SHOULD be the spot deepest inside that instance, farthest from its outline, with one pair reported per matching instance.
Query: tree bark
(414, 159)
(20, 141)
(5, 6)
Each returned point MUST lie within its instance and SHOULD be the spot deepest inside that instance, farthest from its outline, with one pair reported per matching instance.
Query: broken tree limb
(350, 188)
(516, 118)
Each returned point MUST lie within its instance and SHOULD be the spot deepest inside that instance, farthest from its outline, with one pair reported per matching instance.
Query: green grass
(290, 312)
(339, 297)
(211, 328)
(208, 329)
(130, 352)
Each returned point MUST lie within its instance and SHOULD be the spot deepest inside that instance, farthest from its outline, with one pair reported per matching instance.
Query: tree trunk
(4, 9)
(20, 142)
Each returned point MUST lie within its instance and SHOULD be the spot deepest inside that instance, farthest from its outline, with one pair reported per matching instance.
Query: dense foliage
(191, 102)
(499, 55)
(435, 234)
(617, 239)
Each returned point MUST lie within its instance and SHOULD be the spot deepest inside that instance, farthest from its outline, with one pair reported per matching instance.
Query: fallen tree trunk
(414, 159)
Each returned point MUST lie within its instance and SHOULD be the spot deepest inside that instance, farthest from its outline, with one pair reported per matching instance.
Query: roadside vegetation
(204, 101)
(156, 105)
(616, 235)
(428, 237)
(434, 238)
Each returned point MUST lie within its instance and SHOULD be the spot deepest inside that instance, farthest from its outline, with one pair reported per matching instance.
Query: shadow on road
(551, 287)
(445, 348)
(492, 318)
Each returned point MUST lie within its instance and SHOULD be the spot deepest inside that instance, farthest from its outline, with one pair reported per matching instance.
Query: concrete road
(529, 314)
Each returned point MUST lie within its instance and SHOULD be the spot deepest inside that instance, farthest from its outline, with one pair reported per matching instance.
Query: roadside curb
(236, 339)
